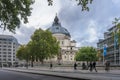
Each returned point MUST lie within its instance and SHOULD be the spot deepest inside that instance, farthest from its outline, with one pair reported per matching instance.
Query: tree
(83, 3)
(116, 32)
(44, 45)
(13, 11)
(23, 53)
(86, 54)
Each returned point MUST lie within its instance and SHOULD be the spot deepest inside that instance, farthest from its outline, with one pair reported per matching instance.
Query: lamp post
(115, 45)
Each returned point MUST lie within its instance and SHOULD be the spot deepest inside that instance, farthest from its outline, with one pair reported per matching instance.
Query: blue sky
(85, 27)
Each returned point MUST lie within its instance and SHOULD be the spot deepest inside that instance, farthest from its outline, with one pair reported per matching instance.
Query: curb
(69, 77)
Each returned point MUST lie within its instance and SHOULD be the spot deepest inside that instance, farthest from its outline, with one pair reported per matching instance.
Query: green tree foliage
(117, 30)
(83, 3)
(13, 11)
(44, 45)
(23, 53)
(86, 54)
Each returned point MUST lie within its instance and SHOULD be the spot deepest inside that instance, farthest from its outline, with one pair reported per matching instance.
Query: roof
(57, 28)
(8, 38)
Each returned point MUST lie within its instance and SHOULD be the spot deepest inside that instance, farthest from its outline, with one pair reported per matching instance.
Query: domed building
(68, 46)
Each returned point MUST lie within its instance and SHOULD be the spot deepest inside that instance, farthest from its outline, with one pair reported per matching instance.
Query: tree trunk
(27, 64)
(42, 62)
(119, 52)
(87, 63)
(32, 62)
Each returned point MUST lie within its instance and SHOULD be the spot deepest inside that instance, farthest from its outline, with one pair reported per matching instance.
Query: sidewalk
(70, 73)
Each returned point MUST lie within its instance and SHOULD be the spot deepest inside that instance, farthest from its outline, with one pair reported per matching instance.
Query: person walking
(75, 66)
(83, 66)
(94, 66)
(51, 65)
(90, 66)
(107, 66)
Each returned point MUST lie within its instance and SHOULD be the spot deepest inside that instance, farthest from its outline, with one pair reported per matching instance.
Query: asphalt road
(11, 75)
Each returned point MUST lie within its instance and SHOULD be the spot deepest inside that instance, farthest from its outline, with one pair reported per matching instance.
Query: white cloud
(85, 27)
(116, 2)
(92, 31)
(42, 14)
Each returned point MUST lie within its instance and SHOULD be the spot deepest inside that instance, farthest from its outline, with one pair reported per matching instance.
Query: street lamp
(115, 44)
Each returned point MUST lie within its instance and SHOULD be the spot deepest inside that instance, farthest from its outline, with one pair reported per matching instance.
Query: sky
(86, 27)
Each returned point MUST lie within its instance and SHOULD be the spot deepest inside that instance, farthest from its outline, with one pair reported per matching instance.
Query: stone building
(8, 48)
(68, 46)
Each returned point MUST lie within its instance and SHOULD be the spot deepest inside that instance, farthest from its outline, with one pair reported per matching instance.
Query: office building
(110, 41)
(8, 48)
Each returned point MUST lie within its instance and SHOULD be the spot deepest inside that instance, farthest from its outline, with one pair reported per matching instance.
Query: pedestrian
(51, 65)
(83, 66)
(75, 66)
(107, 66)
(90, 66)
(0, 65)
(94, 66)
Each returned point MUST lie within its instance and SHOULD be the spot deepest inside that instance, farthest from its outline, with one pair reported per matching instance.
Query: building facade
(112, 47)
(68, 47)
(8, 48)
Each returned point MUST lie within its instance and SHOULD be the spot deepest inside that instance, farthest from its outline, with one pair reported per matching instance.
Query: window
(4, 59)
(4, 49)
(4, 46)
(9, 56)
(4, 52)
(9, 52)
(9, 49)
(4, 55)
(4, 42)
(9, 46)
(9, 59)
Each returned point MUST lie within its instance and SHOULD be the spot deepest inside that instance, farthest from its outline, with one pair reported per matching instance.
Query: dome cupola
(57, 28)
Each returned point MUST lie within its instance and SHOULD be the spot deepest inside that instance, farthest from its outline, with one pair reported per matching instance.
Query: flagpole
(104, 52)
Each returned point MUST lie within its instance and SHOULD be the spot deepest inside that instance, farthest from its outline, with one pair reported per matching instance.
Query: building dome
(57, 28)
